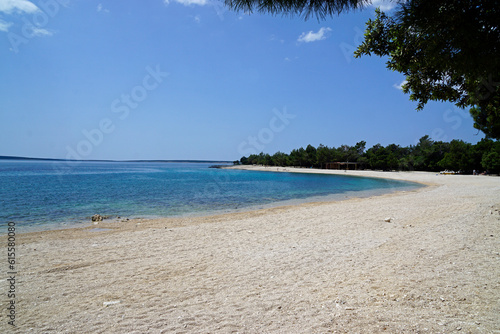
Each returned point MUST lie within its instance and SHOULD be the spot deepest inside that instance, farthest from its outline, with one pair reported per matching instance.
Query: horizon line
(8, 157)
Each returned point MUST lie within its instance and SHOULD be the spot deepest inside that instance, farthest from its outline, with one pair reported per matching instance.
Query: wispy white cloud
(101, 9)
(314, 36)
(188, 2)
(40, 32)
(10, 7)
(21, 6)
(4, 26)
(217, 5)
(197, 19)
(384, 5)
(400, 85)
(192, 2)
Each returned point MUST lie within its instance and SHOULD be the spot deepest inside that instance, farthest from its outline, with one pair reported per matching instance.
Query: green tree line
(426, 155)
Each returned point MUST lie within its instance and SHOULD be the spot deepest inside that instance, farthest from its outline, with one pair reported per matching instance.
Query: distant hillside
(183, 161)
(4, 157)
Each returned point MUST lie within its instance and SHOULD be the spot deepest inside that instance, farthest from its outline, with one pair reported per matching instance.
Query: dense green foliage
(447, 49)
(426, 155)
(307, 8)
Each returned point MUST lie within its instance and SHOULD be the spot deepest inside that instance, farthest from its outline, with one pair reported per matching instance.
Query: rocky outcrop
(97, 218)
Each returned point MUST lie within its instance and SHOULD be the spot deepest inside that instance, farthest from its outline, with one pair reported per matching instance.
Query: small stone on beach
(97, 218)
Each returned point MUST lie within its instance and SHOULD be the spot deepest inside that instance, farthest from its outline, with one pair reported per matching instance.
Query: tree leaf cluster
(448, 50)
(306, 8)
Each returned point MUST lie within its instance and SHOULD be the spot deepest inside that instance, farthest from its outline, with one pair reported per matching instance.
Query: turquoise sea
(41, 195)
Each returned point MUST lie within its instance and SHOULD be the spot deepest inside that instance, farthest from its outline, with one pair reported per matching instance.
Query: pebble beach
(425, 260)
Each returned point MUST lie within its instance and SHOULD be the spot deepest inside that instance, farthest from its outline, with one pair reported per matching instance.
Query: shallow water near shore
(43, 195)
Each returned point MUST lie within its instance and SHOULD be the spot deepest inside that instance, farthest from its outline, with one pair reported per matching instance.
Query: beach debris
(113, 302)
(97, 218)
(388, 219)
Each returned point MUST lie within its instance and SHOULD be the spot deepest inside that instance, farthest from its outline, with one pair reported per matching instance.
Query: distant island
(5, 157)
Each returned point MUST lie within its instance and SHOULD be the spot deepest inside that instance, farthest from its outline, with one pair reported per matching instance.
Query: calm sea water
(40, 195)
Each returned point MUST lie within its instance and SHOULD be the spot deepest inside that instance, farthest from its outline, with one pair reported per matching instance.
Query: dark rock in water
(97, 218)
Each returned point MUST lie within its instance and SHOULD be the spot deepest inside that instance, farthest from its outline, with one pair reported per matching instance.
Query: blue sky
(188, 79)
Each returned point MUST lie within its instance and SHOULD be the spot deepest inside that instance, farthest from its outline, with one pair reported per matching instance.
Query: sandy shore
(334, 267)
